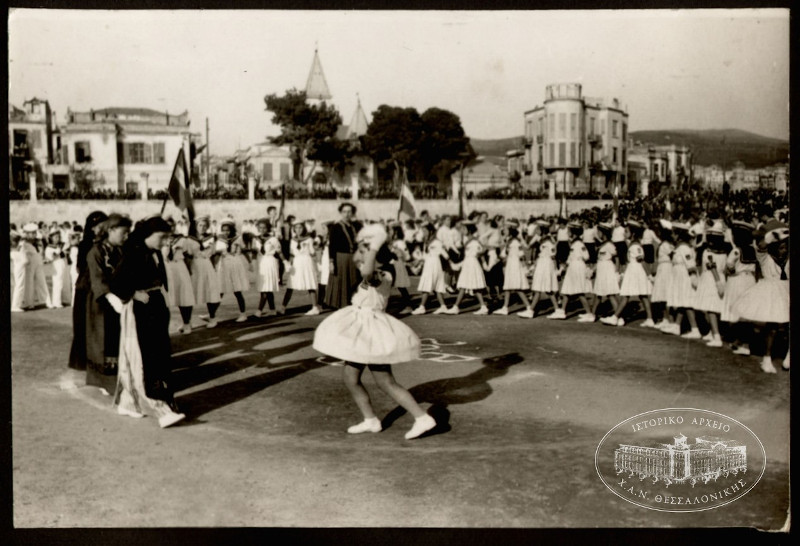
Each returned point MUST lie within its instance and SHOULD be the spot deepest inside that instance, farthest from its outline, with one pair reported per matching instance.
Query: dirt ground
(522, 406)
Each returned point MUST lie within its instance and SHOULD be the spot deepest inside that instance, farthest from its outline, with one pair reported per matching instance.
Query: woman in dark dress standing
(77, 353)
(145, 362)
(344, 276)
(102, 306)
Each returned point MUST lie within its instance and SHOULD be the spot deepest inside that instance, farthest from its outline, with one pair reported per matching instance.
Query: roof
(317, 86)
(358, 125)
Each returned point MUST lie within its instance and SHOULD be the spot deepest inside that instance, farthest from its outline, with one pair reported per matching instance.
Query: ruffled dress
(681, 293)
(205, 281)
(431, 278)
(741, 277)
(304, 269)
(545, 277)
(179, 281)
(576, 279)
(768, 299)
(363, 333)
(707, 297)
(472, 276)
(231, 269)
(635, 282)
(268, 269)
(606, 279)
(663, 281)
(514, 275)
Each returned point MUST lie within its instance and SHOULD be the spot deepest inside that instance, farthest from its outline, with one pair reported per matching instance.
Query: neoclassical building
(577, 142)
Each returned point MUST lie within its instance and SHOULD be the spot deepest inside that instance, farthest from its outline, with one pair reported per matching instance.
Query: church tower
(317, 86)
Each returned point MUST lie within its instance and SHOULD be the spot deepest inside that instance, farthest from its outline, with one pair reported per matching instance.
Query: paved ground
(523, 406)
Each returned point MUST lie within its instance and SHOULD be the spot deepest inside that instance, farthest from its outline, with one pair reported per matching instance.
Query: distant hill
(708, 147)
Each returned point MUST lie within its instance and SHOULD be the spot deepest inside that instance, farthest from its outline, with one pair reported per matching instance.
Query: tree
(444, 145)
(304, 127)
(393, 139)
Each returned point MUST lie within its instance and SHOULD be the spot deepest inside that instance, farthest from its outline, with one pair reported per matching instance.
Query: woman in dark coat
(344, 277)
(145, 359)
(77, 353)
(102, 306)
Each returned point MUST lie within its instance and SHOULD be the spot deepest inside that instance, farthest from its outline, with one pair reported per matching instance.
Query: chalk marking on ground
(546, 350)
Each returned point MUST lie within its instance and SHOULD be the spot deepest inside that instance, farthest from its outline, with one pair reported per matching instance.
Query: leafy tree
(304, 126)
(393, 139)
(444, 145)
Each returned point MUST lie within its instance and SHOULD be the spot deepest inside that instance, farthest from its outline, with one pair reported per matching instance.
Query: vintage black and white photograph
(399, 269)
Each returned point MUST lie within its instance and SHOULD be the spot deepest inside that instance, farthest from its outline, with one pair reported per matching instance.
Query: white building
(33, 143)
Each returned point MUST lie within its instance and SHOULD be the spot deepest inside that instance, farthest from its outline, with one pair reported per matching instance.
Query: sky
(672, 69)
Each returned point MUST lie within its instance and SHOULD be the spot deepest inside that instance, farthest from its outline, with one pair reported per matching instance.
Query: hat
(717, 228)
(741, 224)
(634, 224)
(30, 227)
(373, 234)
(574, 225)
(775, 231)
(605, 227)
(204, 218)
(512, 223)
(680, 226)
(665, 224)
(542, 222)
(227, 221)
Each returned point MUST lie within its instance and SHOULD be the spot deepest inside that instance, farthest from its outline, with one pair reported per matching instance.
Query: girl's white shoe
(129, 413)
(767, 366)
(482, 311)
(501, 311)
(785, 364)
(421, 426)
(367, 425)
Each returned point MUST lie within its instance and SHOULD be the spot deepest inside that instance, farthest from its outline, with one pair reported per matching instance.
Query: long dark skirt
(152, 331)
(102, 343)
(77, 352)
(342, 282)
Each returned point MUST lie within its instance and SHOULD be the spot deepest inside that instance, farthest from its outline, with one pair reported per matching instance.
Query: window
(541, 126)
(551, 126)
(614, 159)
(83, 152)
(573, 123)
(135, 153)
(602, 127)
(562, 125)
(592, 126)
(540, 157)
(614, 125)
(529, 129)
(36, 138)
(159, 156)
(266, 171)
(552, 155)
(623, 158)
(562, 154)
(624, 131)
(284, 171)
(572, 154)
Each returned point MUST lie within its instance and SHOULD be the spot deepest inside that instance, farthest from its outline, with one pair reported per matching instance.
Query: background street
(522, 406)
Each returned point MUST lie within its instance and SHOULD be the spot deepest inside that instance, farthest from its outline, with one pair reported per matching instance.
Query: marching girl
(681, 297)
(72, 252)
(635, 281)
(589, 239)
(663, 278)
(740, 273)
(36, 290)
(431, 279)
(321, 244)
(401, 257)
(366, 337)
(303, 271)
(267, 266)
(207, 285)
(711, 286)
(471, 276)
(492, 264)
(562, 242)
(20, 262)
(231, 268)
(180, 292)
(767, 302)
(606, 277)
(619, 236)
(515, 278)
(649, 243)
(54, 255)
(545, 272)
(576, 279)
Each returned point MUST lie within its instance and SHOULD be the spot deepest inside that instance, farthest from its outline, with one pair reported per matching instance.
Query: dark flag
(179, 189)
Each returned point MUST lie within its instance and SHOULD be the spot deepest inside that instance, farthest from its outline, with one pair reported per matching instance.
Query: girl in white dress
(401, 256)
(740, 275)
(711, 285)
(515, 278)
(72, 252)
(431, 279)
(681, 298)
(19, 261)
(366, 337)
(663, 278)
(205, 277)
(54, 255)
(635, 281)
(303, 274)
(606, 277)
(767, 302)
(36, 291)
(322, 245)
(268, 266)
(231, 269)
(545, 271)
(471, 276)
(180, 288)
(576, 279)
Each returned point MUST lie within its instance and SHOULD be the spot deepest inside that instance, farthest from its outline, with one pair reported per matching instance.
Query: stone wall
(319, 209)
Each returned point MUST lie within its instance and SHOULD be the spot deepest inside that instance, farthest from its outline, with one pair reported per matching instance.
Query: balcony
(539, 139)
(593, 139)
(526, 168)
(527, 141)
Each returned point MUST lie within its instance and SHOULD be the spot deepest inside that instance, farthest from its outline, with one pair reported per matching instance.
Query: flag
(616, 199)
(283, 199)
(179, 185)
(407, 204)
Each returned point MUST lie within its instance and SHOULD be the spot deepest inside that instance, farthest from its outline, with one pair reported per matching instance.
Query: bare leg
(507, 298)
(535, 300)
(388, 384)
(459, 297)
(585, 303)
(479, 295)
(713, 321)
(692, 318)
(524, 299)
(440, 297)
(623, 302)
(351, 375)
(647, 306)
(312, 295)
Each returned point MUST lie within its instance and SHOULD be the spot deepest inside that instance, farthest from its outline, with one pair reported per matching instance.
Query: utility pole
(208, 158)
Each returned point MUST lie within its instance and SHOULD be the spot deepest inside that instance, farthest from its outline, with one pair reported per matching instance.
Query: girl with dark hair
(267, 266)
(54, 256)
(77, 353)
(471, 276)
(431, 279)
(606, 278)
(401, 257)
(366, 337)
(740, 270)
(663, 277)
(145, 364)
(232, 272)
(344, 277)
(179, 279)
(684, 279)
(576, 278)
(545, 275)
(205, 281)
(303, 271)
(514, 276)
(102, 305)
(711, 285)
(635, 281)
